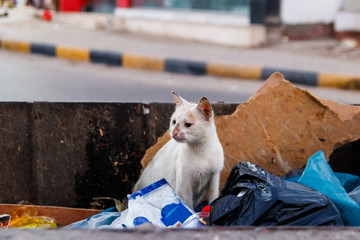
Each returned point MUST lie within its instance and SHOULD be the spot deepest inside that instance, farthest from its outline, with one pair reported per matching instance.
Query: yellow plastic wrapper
(26, 217)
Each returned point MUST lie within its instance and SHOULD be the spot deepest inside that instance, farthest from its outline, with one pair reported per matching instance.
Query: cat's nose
(175, 132)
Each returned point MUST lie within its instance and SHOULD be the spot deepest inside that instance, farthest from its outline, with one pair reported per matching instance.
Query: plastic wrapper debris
(318, 175)
(26, 217)
(199, 219)
(252, 196)
(4, 220)
(157, 204)
(194, 221)
(355, 194)
(103, 218)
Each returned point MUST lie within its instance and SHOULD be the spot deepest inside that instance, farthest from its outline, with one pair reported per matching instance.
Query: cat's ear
(204, 107)
(178, 100)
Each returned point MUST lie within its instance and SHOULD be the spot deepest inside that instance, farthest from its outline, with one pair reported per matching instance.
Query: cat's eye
(174, 122)
(188, 125)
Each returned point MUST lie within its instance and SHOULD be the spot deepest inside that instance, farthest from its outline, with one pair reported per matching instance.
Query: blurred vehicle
(4, 8)
(3, 11)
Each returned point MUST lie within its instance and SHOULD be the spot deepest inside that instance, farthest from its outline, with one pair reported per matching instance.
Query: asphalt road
(38, 78)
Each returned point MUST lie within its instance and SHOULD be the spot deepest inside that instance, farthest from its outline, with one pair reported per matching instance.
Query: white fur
(192, 163)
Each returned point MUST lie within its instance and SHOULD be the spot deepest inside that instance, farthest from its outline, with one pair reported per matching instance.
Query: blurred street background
(321, 36)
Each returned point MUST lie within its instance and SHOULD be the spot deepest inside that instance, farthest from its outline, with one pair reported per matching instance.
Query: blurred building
(243, 23)
(235, 6)
(228, 22)
(238, 6)
(258, 9)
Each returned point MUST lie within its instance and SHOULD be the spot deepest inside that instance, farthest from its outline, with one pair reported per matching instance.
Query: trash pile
(251, 197)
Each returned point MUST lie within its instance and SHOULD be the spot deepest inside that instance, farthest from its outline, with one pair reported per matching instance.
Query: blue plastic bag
(103, 218)
(318, 175)
(347, 180)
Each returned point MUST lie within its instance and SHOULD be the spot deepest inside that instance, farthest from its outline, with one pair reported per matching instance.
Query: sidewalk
(316, 61)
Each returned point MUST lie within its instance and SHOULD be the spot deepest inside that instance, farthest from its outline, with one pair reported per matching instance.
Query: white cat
(192, 160)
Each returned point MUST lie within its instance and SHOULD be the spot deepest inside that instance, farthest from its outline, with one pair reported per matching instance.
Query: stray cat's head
(191, 123)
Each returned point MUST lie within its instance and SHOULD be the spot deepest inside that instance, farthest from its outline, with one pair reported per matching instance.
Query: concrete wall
(64, 154)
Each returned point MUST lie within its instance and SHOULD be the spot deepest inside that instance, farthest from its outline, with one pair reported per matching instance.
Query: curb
(125, 60)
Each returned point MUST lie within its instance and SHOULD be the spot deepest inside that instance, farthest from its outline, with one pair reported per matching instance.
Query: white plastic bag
(157, 204)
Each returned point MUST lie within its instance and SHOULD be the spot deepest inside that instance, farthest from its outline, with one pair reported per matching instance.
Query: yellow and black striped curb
(183, 66)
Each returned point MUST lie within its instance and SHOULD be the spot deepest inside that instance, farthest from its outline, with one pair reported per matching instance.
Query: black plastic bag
(252, 196)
